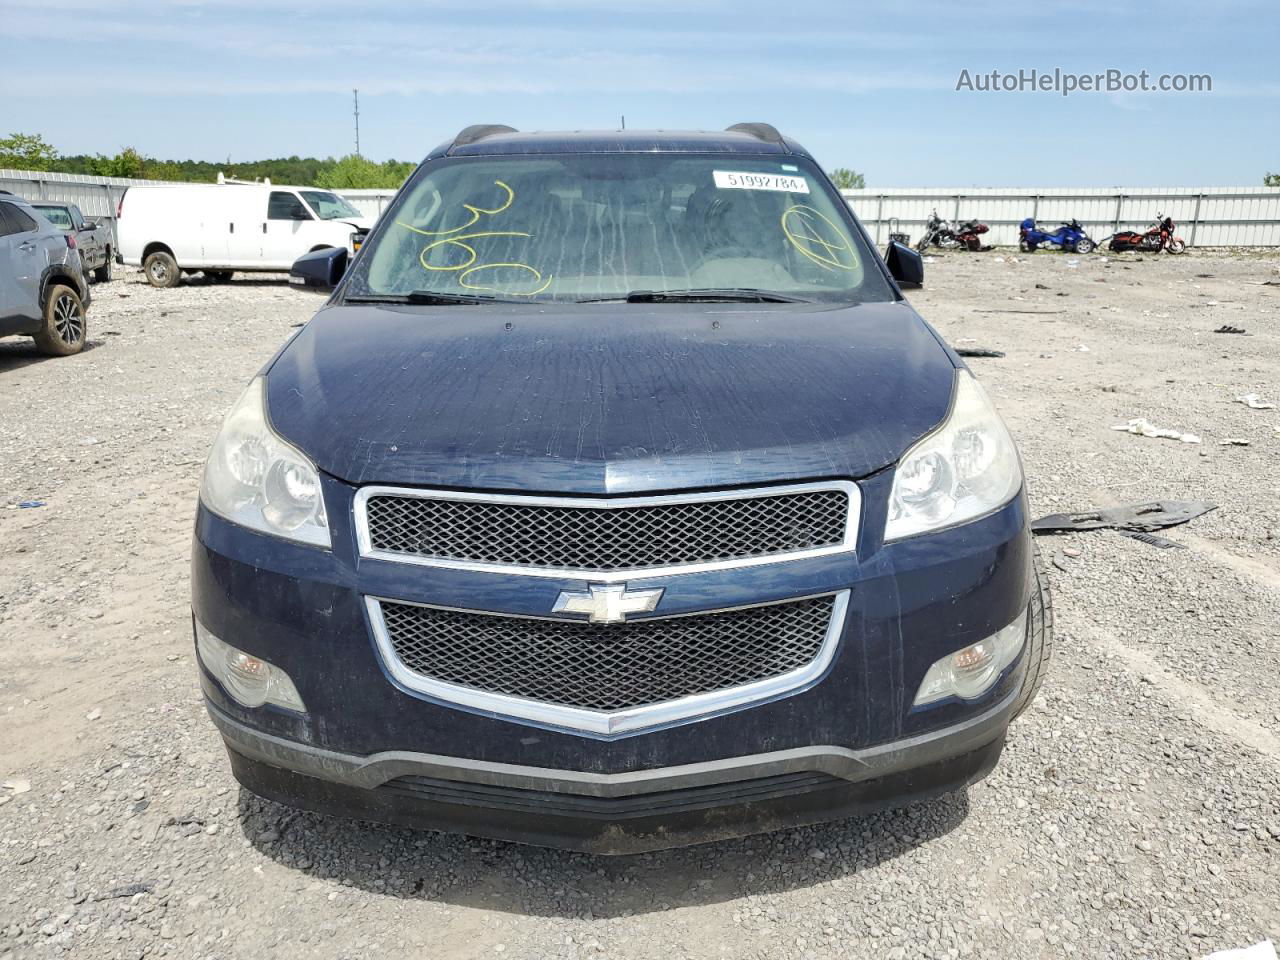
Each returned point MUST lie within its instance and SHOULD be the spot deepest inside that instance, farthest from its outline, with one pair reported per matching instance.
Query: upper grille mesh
(607, 666)
(617, 538)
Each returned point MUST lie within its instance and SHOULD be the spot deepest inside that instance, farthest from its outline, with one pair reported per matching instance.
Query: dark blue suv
(616, 499)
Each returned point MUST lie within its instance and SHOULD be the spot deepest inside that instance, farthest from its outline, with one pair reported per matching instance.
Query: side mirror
(320, 269)
(905, 265)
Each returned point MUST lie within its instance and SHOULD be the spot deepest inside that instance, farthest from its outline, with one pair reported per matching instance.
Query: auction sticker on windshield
(733, 180)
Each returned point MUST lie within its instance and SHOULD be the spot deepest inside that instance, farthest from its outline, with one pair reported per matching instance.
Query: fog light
(971, 672)
(248, 680)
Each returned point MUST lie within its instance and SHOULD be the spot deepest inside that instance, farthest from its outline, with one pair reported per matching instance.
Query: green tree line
(25, 151)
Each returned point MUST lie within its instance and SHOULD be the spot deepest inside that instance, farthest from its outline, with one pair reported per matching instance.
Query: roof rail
(761, 131)
(264, 182)
(478, 131)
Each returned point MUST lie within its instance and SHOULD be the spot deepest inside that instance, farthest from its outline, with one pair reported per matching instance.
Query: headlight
(964, 469)
(255, 479)
(247, 680)
(971, 672)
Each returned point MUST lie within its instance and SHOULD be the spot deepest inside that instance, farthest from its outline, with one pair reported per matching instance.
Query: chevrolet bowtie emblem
(608, 603)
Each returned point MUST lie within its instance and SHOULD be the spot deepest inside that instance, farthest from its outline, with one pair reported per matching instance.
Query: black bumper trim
(846, 764)
(636, 832)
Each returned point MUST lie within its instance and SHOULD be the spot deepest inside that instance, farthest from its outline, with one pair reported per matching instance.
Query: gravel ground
(1136, 812)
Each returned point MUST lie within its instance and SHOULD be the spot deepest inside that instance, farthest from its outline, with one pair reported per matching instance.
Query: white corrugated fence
(1206, 216)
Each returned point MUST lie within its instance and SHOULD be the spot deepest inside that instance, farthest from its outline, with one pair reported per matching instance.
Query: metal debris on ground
(1134, 517)
(127, 890)
(1145, 428)
(1152, 539)
(978, 352)
(1233, 442)
(1255, 402)
(1227, 328)
(1259, 951)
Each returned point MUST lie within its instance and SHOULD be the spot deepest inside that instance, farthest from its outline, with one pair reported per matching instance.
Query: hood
(619, 398)
(359, 223)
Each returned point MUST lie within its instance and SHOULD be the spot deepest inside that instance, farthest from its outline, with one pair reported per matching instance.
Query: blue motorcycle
(1070, 237)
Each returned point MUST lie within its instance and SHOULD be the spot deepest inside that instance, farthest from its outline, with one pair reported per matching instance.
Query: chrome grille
(606, 667)
(606, 535)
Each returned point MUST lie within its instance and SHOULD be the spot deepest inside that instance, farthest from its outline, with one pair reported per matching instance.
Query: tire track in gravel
(1196, 699)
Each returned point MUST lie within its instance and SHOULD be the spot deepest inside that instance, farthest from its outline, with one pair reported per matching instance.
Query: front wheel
(1039, 634)
(1084, 245)
(923, 245)
(63, 332)
(1177, 245)
(103, 273)
(161, 269)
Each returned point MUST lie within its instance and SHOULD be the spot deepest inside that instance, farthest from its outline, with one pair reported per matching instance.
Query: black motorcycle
(951, 236)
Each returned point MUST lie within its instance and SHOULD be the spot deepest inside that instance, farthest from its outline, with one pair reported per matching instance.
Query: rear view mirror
(904, 265)
(320, 270)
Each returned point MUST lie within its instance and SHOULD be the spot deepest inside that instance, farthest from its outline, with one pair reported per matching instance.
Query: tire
(923, 244)
(1177, 246)
(1025, 247)
(1039, 635)
(1084, 245)
(64, 323)
(103, 273)
(218, 276)
(162, 270)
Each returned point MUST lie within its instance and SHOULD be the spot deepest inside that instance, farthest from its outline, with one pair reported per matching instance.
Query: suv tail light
(120, 204)
(71, 240)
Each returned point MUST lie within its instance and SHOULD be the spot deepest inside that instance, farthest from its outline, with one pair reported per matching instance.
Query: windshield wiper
(429, 298)
(708, 295)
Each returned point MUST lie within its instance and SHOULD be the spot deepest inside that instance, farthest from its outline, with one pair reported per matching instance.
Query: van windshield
(329, 206)
(603, 226)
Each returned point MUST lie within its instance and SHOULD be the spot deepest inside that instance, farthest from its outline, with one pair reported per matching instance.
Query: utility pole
(355, 101)
(624, 122)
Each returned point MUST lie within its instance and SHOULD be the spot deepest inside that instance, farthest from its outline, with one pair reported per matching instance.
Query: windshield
(600, 226)
(60, 217)
(329, 206)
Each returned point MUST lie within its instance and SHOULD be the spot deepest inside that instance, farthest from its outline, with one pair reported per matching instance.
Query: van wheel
(103, 273)
(64, 323)
(1039, 635)
(218, 276)
(161, 269)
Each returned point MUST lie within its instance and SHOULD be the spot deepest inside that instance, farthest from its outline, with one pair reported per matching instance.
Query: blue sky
(865, 85)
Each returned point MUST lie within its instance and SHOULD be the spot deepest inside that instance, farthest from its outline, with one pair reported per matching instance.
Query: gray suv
(43, 293)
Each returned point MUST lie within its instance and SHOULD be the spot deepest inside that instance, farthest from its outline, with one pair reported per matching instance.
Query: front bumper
(849, 741)
(617, 813)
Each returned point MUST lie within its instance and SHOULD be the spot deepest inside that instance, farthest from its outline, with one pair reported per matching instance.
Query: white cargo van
(225, 227)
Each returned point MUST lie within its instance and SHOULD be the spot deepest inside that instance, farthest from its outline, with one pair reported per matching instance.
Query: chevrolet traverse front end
(616, 499)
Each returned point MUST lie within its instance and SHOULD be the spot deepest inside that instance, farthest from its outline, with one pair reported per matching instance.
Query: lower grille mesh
(635, 806)
(607, 666)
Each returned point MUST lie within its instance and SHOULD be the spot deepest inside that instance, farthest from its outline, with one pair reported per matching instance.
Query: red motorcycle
(1159, 236)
